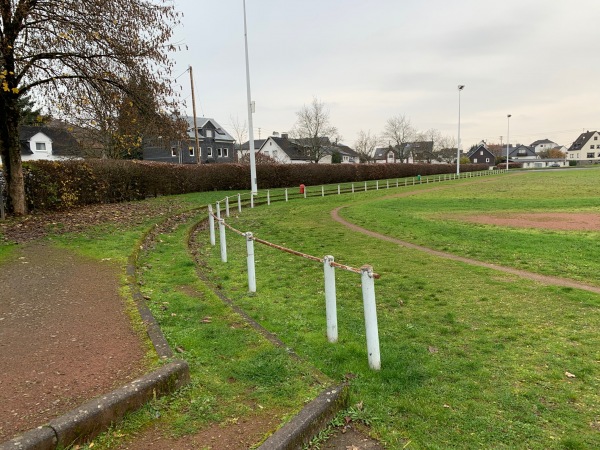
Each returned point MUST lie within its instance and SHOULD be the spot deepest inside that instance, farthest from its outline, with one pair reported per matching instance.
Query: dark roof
(291, 148)
(381, 152)
(476, 149)
(207, 123)
(63, 142)
(514, 151)
(421, 149)
(542, 141)
(258, 143)
(582, 140)
(344, 150)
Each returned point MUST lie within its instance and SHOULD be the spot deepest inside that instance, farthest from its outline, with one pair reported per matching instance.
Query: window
(590, 155)
(346, 158)
(209, 151)
(475, 160)
(40, 146)
(225, 152)
(487, 159)
(481, 152)
(219, 152)
(595, 138)
(592, 147)
(522, 152)
(191, 149)
(173, 151)
(209, 133)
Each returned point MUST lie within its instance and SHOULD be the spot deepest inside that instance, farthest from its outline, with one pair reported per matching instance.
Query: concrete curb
(95, 416)
(313, 418)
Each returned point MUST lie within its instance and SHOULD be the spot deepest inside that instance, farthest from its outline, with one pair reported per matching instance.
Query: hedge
(54, 185)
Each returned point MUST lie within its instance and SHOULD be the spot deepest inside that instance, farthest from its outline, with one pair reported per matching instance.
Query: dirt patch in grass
(549, 221)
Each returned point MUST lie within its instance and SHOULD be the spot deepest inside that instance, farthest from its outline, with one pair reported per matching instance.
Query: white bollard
(227, 206)
(368, 290)
(211, 225)
(322, 191)
(218, 210)
(286, 195)
(240, 202)
(268, 197)
(250, 261)
(222, 240)
(330, 299)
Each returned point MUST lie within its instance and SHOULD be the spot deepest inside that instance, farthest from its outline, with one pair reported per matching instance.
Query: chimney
(275, 133)
(284, 135)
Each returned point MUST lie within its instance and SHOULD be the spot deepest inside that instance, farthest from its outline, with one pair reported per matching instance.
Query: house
(481, 155)
(286, 151)
(47, 143)
(422, 152)
(543, 144)
(385, 155)
(346, 154)
(586, 148)
(216, 145)
(520, 152)
(244, 148)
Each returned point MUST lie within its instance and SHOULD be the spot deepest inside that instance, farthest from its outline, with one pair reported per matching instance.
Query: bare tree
(314, 131)
(72, 51)
(447, 149)
(240, 132)
(365, 145)
(398, 131)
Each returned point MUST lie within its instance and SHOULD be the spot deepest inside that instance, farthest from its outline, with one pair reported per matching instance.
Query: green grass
(471, 358)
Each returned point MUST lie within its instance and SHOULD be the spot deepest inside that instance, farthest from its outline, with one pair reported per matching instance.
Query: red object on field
(302, 188)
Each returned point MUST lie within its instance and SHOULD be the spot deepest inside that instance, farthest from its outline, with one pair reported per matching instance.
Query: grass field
(471, 357)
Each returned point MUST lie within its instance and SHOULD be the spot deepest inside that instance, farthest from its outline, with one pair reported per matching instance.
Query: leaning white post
(211, 225)
(222, 240)
(330, 299)
(368, 290)
(250, 260)
(218, 210)
(268, 197)
(227, 206)
(286, 195)
(240, 202)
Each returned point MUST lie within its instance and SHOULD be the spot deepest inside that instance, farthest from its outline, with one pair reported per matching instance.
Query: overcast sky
(538, 60)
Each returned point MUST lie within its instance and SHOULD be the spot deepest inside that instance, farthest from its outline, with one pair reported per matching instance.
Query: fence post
(305, 191)
(368, 290)
(387, 184)
(227, 206)
(330, 299)
(286, 195)
(218, 210)
(365, 186)
(222, 240)
(240, 202)
(250, 262)
(211, 225)
(396, 182)
(268, 197)
(377, 185)
(322, 191)
(353, 188)
(339, 189)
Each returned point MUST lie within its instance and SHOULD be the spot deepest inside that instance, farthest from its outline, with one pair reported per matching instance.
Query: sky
(368, 61)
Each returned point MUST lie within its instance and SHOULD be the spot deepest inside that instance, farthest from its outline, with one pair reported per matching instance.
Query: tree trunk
(11, 156)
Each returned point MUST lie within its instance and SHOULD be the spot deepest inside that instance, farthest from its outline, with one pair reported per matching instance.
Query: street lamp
(253, 183)
(508, 116)
(460, 88)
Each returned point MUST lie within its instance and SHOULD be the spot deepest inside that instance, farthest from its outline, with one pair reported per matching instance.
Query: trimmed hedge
(52, 185)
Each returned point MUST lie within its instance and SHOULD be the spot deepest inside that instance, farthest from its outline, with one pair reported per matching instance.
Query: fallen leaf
(570, 375)
(180, 349)
(432, 349)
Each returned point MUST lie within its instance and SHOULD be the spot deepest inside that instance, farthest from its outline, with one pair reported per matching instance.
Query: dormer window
(40, 146)
(209, 133)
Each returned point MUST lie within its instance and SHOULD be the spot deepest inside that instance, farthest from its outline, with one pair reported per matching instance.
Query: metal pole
(460, 88)
(222, 240)
(253, 182)
(368, 290)
(330, 299)
(508, 116)
(240, 202)
(211, 225)
(250, 262)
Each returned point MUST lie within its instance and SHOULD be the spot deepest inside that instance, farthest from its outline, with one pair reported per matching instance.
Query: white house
(586, 148)
(48, 143)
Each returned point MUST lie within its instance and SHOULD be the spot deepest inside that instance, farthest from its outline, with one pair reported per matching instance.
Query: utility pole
(253, 182)
(501, 140)
(198, 160)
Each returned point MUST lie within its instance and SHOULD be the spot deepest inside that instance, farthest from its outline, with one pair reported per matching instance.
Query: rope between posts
(295, 252)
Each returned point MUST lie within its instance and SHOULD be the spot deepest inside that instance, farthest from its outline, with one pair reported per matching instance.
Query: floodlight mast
(508, 116)
(253, 183)
(460, 88)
